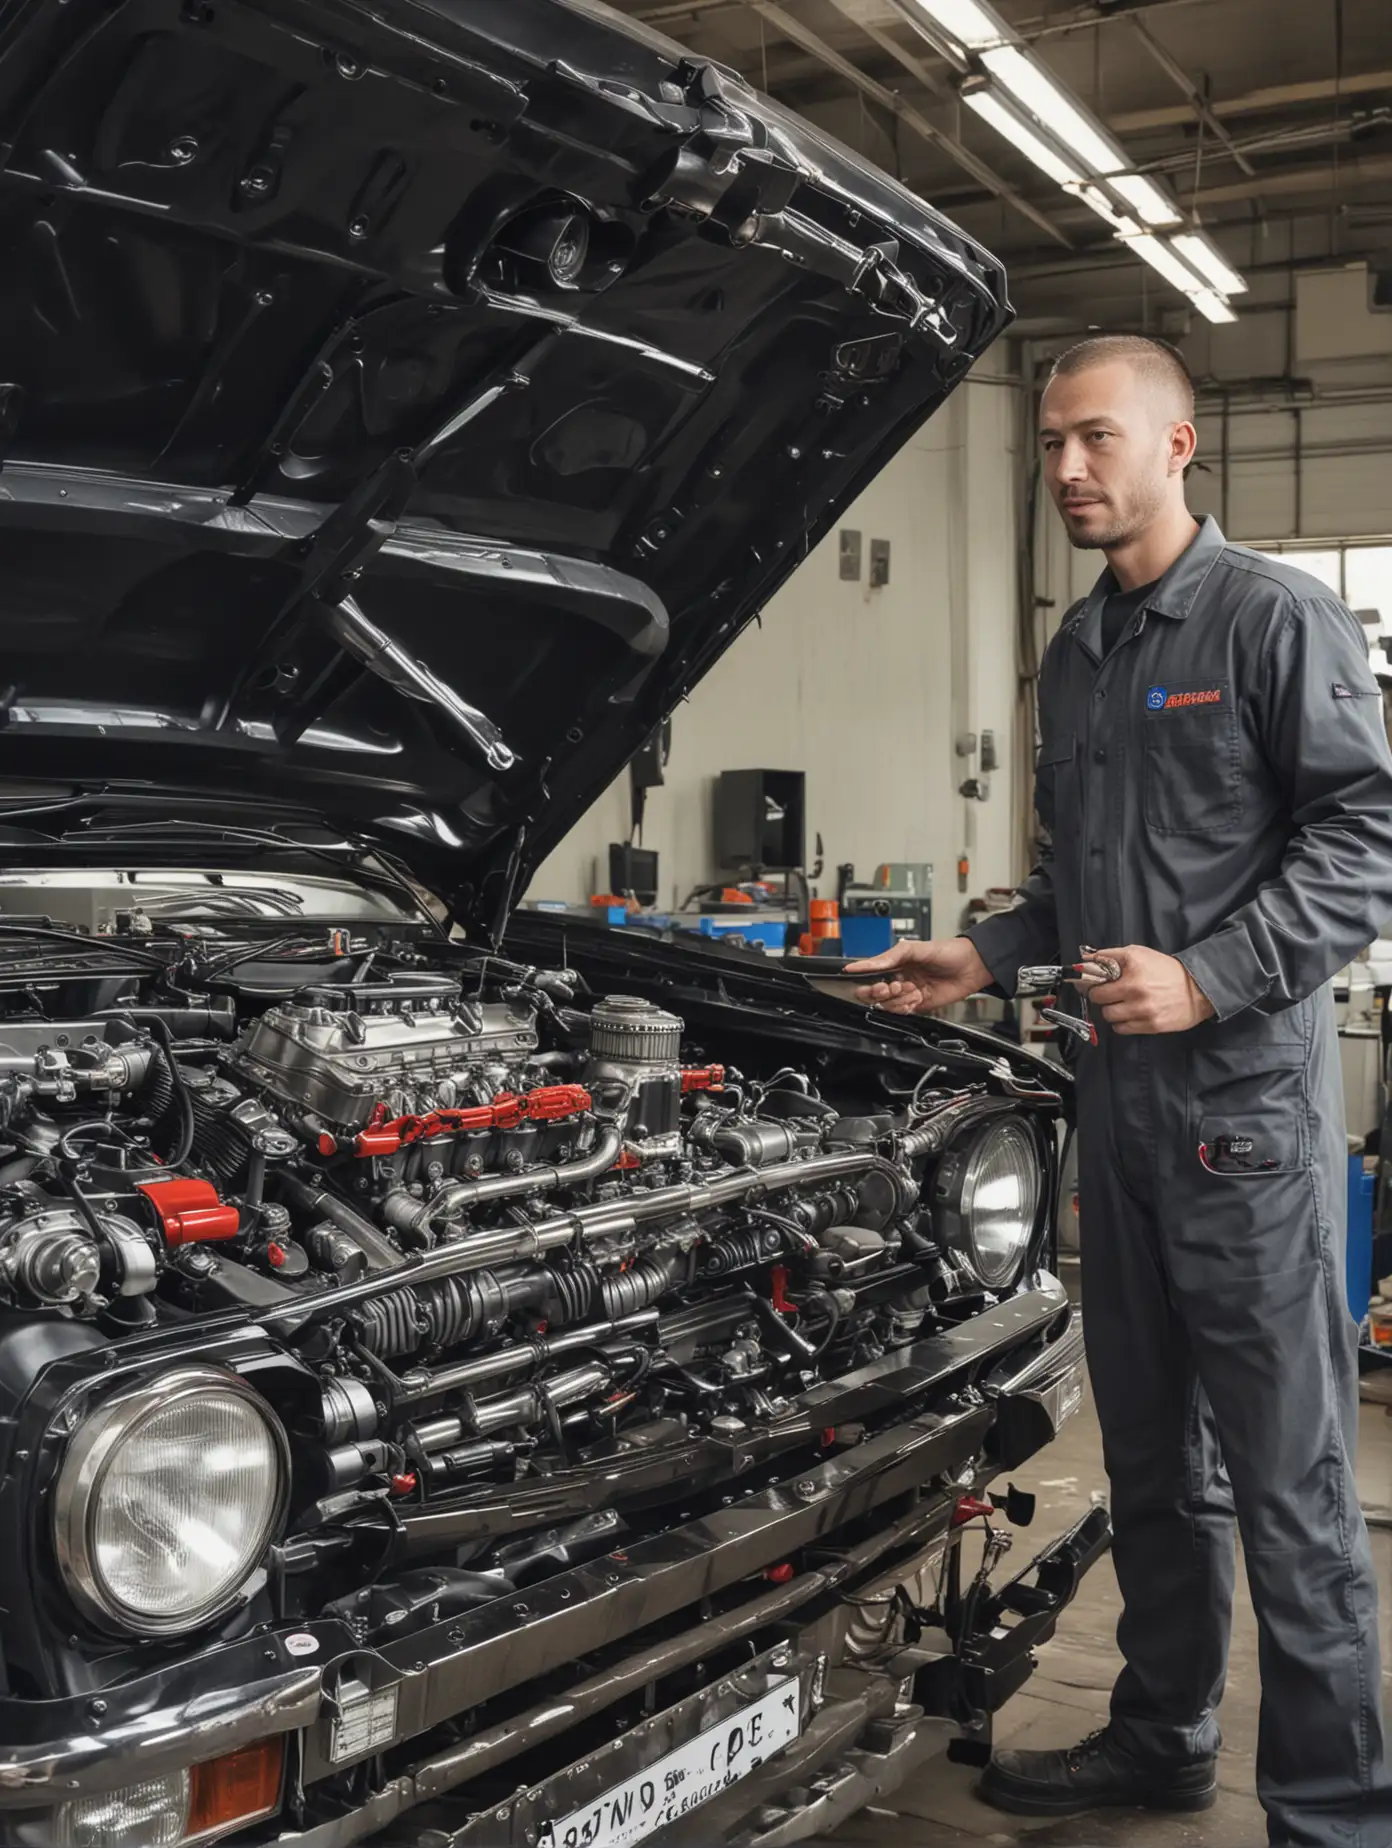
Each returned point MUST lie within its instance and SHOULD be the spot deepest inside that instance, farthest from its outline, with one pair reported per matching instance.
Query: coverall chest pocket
(1053, 776)
(1192, 759)
(1247, 1110)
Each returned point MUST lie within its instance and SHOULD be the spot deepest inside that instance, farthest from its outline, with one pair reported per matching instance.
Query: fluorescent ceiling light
(1211, 305)
(1069, 124)
(1200, 254)
(1005, 122)
(966, 22)
(1106, 208)
(1151, 204)
(1160, 257)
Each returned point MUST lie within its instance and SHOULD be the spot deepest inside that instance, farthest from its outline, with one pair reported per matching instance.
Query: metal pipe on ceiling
(1197, 101)
(890, 100)
(1254, 102)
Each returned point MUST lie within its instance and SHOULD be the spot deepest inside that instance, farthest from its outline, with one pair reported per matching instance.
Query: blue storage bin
(866, 936)
(772, 933)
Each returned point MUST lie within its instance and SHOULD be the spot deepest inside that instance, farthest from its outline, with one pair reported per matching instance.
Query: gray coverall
(1220, 788)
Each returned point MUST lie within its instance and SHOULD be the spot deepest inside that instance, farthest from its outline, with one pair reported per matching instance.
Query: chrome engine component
(350, 1412)
(411, 1046)
(48, 1259)
(59, 1061)
(634, 1070)
(51, 1254)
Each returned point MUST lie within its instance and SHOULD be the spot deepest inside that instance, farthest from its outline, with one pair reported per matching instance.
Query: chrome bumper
(235, 1694)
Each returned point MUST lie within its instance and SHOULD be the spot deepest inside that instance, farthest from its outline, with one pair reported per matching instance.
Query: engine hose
(445, 1313)
(796, 1236)
(739, 1251)
(180, 1152)
(389, 1325)
(157, 1094)
(709, 1389)
(636, 1289)
(823, 1300)
(573, 1291)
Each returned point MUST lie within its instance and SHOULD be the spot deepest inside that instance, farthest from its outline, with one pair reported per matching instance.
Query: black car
(464, 1378)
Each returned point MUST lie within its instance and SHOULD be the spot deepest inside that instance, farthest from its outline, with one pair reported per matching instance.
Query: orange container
(824, 915)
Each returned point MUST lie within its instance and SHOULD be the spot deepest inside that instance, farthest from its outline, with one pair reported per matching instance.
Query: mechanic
(1215, 777)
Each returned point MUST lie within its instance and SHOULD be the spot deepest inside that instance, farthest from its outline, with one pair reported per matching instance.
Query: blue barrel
(1360, 1237)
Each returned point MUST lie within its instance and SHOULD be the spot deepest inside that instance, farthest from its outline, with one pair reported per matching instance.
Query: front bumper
(1010, 1373)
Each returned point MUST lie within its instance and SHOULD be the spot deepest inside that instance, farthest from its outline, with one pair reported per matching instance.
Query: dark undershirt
(1119, 613)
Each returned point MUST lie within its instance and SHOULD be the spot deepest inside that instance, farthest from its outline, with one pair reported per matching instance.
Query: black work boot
(1096, 1774)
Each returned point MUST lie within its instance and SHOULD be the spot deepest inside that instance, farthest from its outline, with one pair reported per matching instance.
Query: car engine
(509, 1228)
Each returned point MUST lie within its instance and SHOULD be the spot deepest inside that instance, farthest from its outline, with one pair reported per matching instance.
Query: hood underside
(401, 408)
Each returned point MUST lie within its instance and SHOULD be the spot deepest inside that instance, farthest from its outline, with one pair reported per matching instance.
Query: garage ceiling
(1269, 120)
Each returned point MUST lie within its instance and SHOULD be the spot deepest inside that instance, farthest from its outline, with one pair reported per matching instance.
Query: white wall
(863, 689)
(1307, 464)
(1334, 481)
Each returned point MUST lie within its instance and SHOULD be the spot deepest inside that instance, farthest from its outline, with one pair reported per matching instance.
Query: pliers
(1048, 978)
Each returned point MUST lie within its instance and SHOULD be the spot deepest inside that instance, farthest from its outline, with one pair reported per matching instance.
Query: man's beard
(1123, 527)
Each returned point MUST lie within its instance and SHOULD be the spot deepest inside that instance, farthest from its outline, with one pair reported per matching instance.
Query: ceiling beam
(1276, 96)
(918, 124)
(1197, 101)
(1084, 17)
(855, 11)
(671, 14)
(1297, 180)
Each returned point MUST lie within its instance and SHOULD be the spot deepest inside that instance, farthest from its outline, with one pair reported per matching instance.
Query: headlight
(167, 1498)
(149, 1815)
(986, 1197)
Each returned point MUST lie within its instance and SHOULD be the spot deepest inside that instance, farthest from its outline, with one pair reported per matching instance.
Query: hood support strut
(352, 534)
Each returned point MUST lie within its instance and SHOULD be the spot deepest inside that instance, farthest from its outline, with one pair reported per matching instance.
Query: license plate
(686, 1778)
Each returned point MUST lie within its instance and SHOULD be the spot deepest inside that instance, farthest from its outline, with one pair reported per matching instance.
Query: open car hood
(403, 406)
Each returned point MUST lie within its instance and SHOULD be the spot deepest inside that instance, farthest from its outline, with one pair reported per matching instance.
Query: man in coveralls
(1215, 776)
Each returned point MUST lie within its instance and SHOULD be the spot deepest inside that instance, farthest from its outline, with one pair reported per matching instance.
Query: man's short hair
(1155, 360)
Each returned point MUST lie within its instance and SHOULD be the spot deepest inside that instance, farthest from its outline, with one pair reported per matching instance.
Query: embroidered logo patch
(1160, 700)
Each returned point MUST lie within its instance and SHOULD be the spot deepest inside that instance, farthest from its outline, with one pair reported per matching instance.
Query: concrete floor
(1067, 1696)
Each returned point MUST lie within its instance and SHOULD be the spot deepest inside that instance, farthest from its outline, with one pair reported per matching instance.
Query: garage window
(1361, 574)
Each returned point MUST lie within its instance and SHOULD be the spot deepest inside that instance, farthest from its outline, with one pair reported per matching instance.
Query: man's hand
(920, 978)
(1155, 994)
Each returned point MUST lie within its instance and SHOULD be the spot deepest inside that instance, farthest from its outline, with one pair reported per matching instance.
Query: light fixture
(1159, 256)
(1029, 83)
(1201, 253)
(970, 25)
(1094, 197)
(1211, 305)
(1151, 204)
(994, 112)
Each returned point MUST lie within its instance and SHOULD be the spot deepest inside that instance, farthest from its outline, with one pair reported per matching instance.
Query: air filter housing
(634, 1070)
